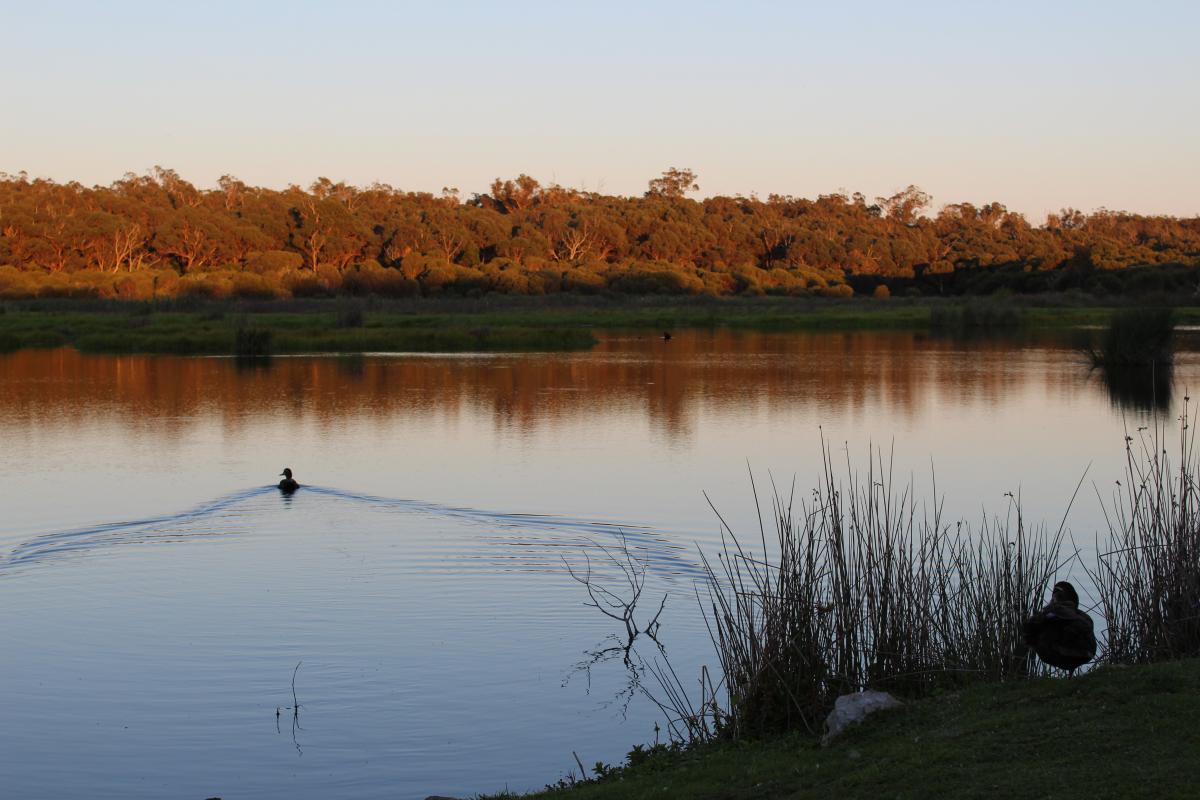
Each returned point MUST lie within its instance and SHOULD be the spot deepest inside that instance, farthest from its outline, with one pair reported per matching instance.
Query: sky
(1036, 105)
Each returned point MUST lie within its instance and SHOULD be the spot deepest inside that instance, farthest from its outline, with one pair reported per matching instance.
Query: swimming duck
(288, 484)
(1060, 633)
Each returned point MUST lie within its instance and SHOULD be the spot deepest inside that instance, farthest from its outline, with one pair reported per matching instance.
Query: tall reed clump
(862, 589)
(1136, 337)
(1147, 574)
(252, 342)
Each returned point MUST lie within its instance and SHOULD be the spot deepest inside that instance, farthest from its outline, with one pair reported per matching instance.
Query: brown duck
(1060, 633)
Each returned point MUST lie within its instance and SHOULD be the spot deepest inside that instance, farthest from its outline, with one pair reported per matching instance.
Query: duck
(1061, 634)
(666, 336)
(288, 484)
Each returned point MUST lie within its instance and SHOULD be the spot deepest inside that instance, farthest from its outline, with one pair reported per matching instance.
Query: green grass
(304, 332)
(1116, 732)
(561, 322)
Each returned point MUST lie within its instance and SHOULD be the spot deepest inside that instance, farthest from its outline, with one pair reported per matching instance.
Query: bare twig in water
(620, 605)
(295, 702)
(295, 709)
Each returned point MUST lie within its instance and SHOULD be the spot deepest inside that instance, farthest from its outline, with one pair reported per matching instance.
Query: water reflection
(671, 382)
(1139, 387)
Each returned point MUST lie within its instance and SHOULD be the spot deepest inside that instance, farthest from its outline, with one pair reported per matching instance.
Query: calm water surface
(156, 595)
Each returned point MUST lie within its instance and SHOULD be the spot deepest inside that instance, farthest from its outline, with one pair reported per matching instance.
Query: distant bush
(654, 279)
(368, 279)
(583, 280)
(252, 343)
(307, 284)
(837, 290)
(251, 286)
(196, 286)
(274, 261)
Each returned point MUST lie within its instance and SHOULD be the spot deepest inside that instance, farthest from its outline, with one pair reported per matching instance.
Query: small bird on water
(288, 484)
(1060, 633)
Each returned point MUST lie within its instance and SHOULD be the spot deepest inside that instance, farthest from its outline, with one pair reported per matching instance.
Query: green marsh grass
(975, 316)
(210, 332)
(350, 313)
(556, 322)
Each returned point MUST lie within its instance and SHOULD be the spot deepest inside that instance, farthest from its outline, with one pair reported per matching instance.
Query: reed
(1147, 572)
(859, 589)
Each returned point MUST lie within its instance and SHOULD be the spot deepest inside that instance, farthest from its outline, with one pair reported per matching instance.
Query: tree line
(158, 235)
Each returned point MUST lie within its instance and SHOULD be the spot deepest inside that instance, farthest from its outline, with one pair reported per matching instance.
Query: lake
(160, 601)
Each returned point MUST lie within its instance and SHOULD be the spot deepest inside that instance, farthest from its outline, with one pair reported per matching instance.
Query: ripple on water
(435, 641)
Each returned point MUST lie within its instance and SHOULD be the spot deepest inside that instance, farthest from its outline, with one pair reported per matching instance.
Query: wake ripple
(521, 530)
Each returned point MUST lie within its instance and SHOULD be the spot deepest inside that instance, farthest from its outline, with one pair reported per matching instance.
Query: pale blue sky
(1035, 104)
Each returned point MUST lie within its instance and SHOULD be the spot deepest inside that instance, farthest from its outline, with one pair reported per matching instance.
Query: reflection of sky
(434, 655)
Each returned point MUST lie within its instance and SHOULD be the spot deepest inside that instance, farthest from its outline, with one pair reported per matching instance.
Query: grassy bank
(561, 322)
(1116, 732)
(226, 332)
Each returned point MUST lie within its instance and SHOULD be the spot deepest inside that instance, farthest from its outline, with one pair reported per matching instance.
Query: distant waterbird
(1061, 634)
(666, 336)
(288, 484)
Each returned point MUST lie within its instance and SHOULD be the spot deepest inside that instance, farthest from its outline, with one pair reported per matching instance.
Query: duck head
(1064, 592)
(287, 473)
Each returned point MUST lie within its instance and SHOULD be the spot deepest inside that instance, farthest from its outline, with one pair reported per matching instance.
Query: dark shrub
(1137, 336)
(349, 314)
(252, 343)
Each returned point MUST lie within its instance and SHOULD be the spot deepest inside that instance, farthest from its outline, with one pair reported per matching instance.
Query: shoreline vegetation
(496, 323)
(868, 587)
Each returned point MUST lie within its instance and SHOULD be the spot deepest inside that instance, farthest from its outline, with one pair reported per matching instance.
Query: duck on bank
(1061, 634)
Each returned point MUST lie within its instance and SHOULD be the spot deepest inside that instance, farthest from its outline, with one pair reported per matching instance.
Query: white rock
(850, 709)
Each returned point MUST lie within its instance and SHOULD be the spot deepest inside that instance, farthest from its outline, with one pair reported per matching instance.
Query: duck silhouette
(288, 484)
(1060, 633)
